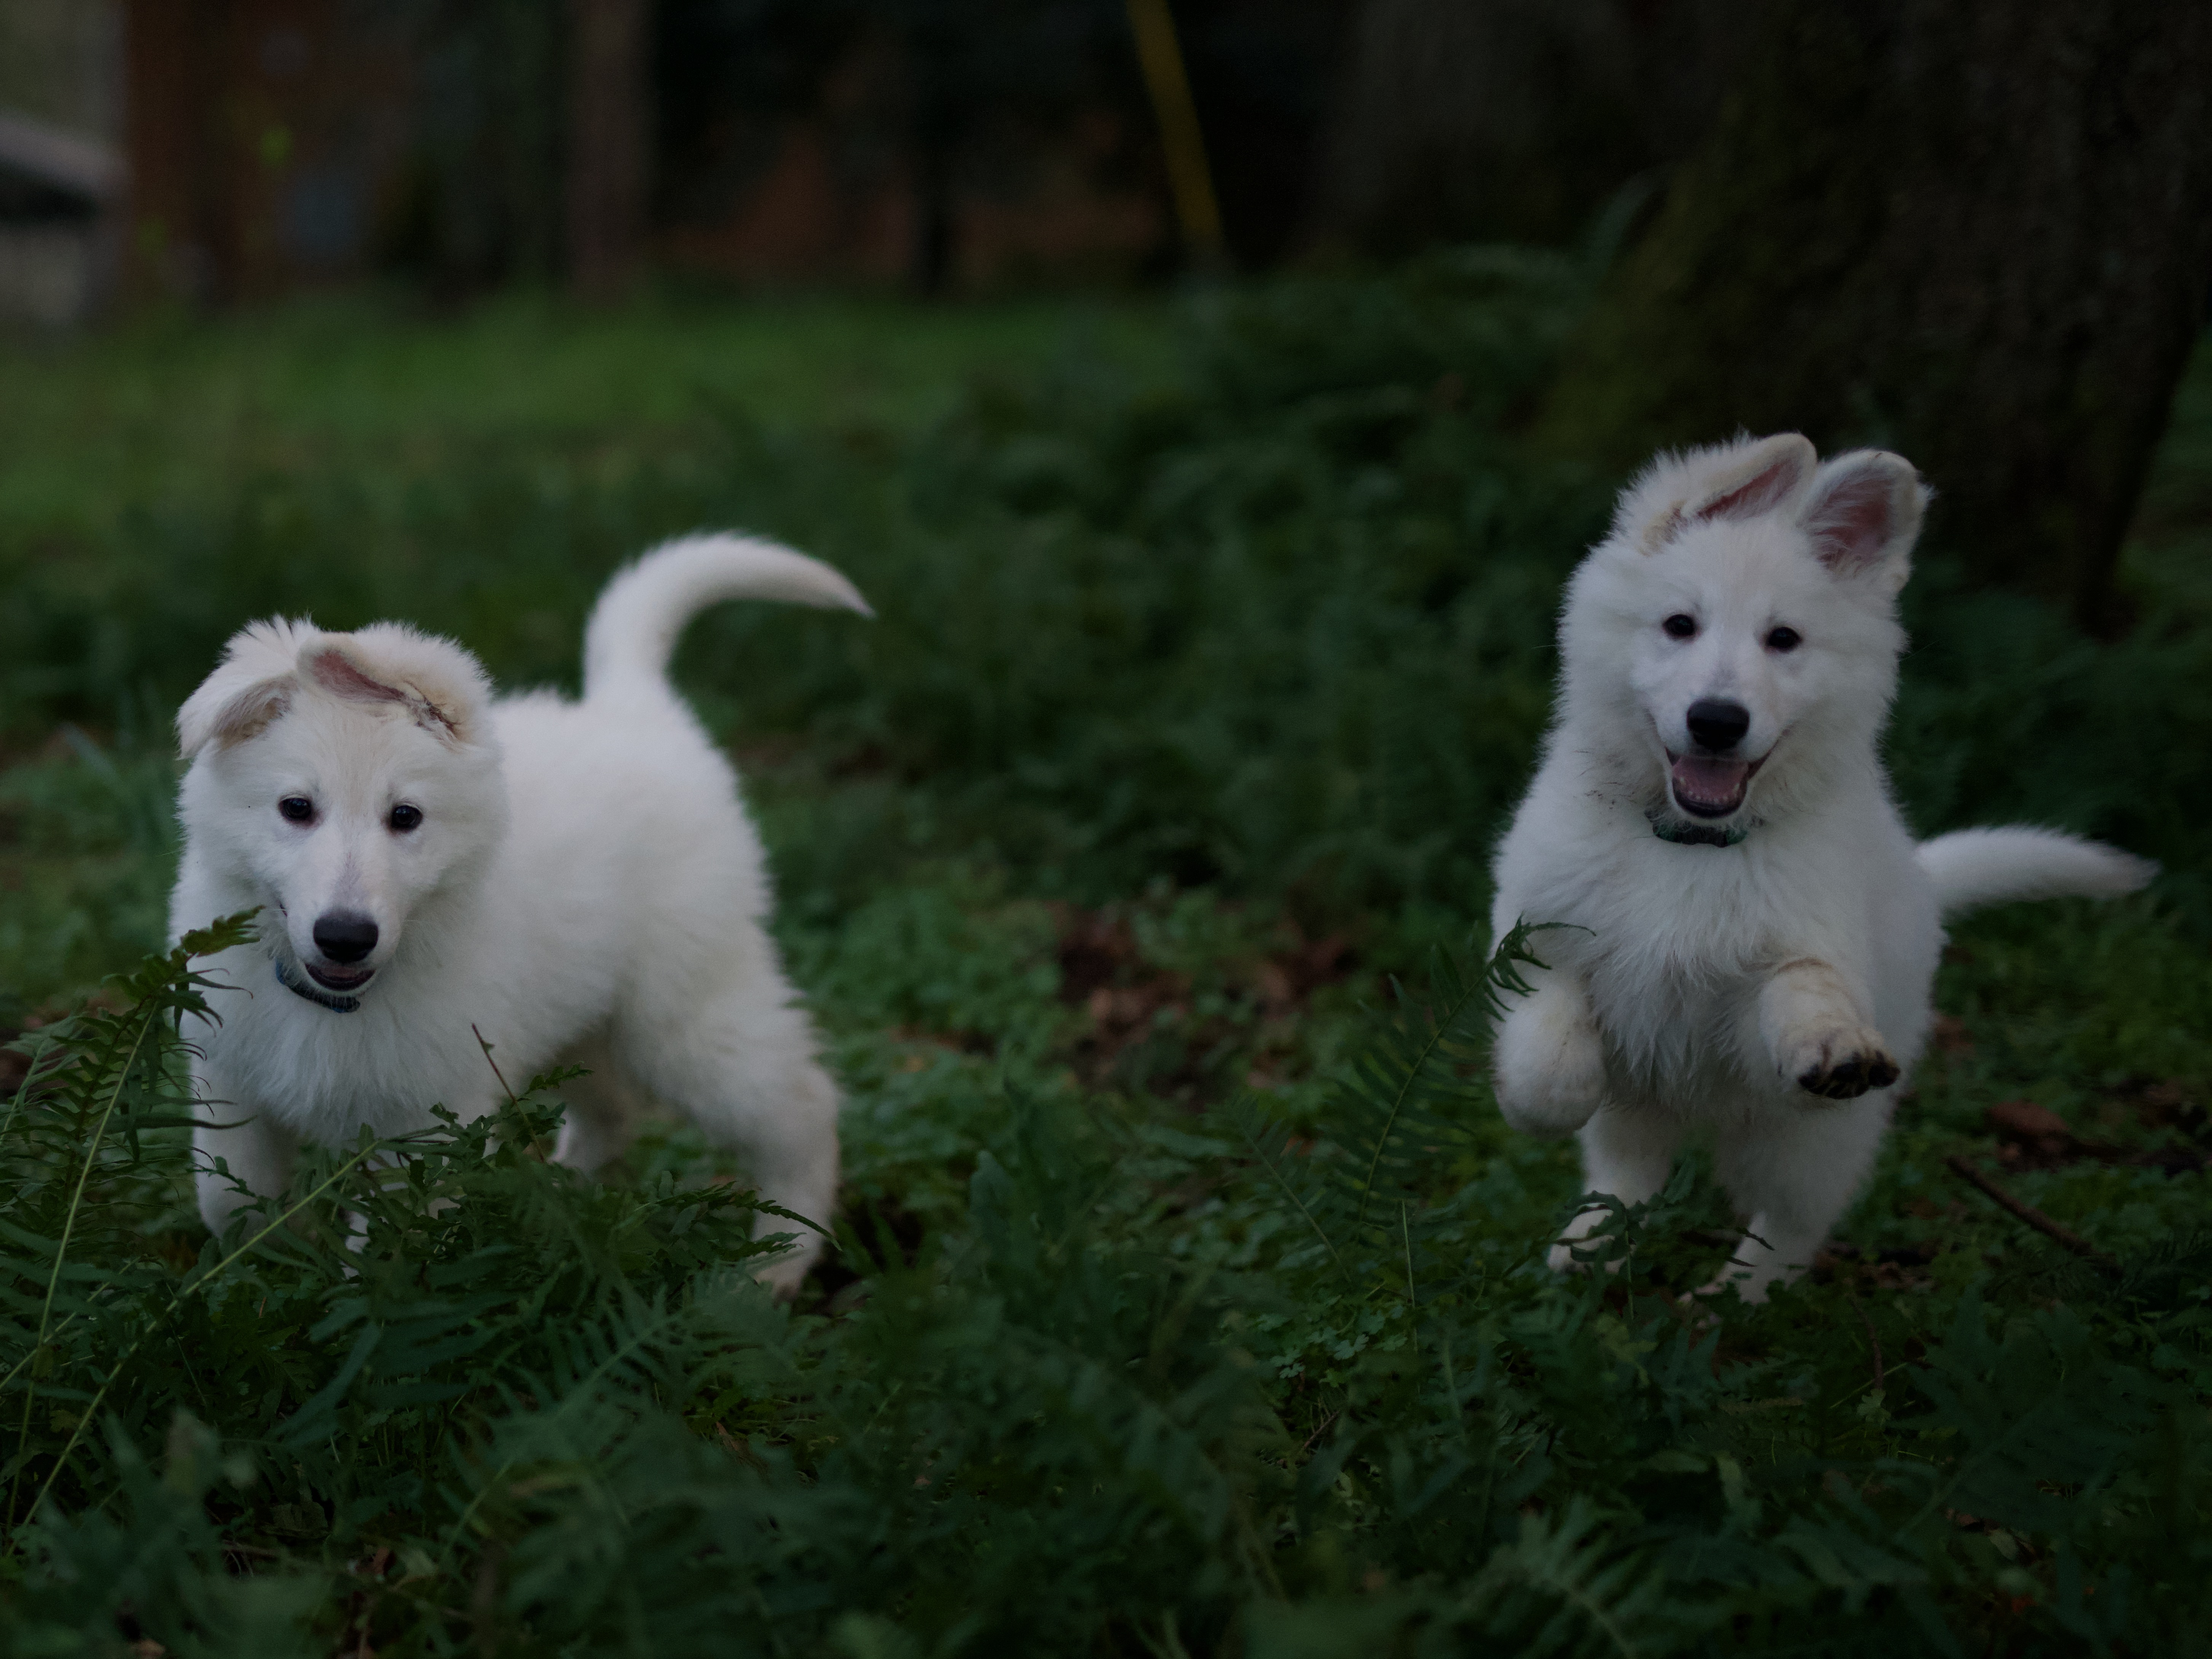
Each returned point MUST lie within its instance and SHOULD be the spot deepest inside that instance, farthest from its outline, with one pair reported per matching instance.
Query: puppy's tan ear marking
(1864, 514)
(250, 687)
(1662, 529)
(431, 718)
(226, 721)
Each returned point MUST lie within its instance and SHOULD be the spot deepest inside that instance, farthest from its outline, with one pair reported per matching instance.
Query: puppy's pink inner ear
(340, 676)
(1854, 521)
(1757, 494)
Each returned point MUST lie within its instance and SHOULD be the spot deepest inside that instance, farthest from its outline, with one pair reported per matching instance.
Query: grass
(168, 405)
(1190, 1295)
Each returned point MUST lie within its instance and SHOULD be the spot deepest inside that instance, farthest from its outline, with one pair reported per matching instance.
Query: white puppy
(571, 880)
(1754, 932)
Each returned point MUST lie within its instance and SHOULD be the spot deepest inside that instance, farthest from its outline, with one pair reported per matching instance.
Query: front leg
(256, 1150)
(1549, 1059)
(1815, 1028)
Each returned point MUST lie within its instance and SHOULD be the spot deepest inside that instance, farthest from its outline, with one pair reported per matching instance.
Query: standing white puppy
(1753, 934)
(572, 880)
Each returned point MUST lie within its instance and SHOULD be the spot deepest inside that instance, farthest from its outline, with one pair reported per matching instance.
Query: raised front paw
(1841, 1063)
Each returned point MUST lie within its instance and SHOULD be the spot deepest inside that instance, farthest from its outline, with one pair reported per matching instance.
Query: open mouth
(1709, 786)
(340, 979)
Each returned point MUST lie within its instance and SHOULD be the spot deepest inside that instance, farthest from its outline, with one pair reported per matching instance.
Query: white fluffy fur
(584, 884)
(1698, 984)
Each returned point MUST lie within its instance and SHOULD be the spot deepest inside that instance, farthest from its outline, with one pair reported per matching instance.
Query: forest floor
(1213, 643)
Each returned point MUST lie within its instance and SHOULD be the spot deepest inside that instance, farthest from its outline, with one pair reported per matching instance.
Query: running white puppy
(572, 880)
(1754, 934)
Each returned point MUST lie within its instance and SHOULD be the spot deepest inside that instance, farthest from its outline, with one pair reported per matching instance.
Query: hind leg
(1628, 1153)
(742, 1066)
(1794, 1174)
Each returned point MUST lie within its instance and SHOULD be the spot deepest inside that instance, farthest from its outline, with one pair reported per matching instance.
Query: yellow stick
(1189, 178)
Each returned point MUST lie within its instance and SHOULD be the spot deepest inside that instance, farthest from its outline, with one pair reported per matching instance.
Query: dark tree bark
(609, 133)
(937, 127)
(1975, 232)
(1514, 121)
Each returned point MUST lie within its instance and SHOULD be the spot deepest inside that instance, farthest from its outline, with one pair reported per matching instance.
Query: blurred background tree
(1514, 119)
(610, 136)
(1971, 231)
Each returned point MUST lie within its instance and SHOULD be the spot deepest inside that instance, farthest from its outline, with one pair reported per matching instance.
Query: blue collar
(330, 999)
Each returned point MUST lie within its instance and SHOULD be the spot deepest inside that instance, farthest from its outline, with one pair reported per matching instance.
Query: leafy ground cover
(1189, 1295)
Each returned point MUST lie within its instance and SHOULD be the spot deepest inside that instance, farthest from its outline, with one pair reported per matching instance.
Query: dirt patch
(2033, 1137)
(1142, 1029)
(2165, 1104)
(1947, 1036)
(1902, 1267)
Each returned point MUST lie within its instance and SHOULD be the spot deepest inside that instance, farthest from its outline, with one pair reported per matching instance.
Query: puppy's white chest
(326, 1074)
(1671, 1025)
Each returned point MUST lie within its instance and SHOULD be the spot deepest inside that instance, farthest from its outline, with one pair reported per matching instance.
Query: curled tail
(1981, 866)
(633, 627)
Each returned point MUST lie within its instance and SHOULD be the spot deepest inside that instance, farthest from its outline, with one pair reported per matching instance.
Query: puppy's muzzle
(1711, 784)
(343, 938)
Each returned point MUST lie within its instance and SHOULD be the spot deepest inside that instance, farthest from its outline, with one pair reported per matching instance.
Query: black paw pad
(1847, 1079)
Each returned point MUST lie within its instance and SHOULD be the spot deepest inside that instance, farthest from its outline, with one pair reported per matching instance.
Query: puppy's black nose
(345, 935)
(1715, 725)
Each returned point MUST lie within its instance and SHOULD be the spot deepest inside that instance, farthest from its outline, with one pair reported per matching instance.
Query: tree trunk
(608, 143)
(1516, 120)
(1975, 232)
(941, 103)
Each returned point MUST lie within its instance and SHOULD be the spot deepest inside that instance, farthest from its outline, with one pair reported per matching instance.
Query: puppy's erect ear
(1763, 478)
(252, 686)
(1736, 481)
(1863, 515)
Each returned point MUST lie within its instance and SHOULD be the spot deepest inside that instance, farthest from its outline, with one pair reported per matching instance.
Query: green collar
(1695, 835)
(333, 1000)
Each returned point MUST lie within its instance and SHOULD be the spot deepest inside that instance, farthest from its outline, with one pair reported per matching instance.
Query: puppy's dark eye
(296, 809)
(1681, 625)
(404, 818)
(1784, 639)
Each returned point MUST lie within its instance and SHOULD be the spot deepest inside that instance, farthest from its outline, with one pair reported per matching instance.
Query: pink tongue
(1709, 786)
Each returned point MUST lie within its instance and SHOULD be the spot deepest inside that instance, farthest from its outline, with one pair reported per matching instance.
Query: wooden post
(609, 145)
(179, 233)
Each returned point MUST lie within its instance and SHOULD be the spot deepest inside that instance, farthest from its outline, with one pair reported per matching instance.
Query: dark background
(1970, 233)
